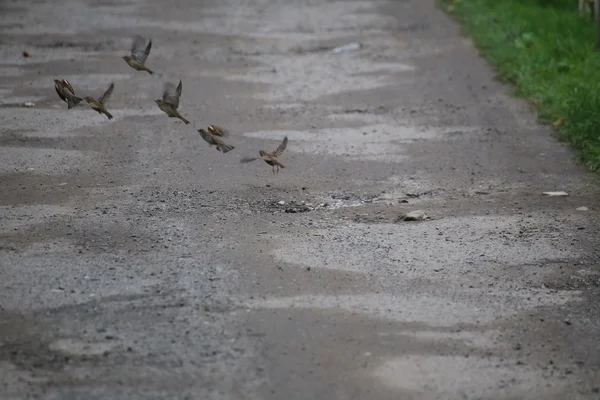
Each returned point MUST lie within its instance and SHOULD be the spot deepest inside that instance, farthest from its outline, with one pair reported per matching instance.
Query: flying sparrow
(270, 158)
(211, 136)
(139, 54)
(170, 101)
(66, 93)
(99, 105)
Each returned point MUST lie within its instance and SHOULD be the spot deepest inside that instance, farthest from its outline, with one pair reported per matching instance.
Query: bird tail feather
(225, 148)
(72, 101)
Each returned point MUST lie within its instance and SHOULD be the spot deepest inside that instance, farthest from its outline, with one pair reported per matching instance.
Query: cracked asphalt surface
(138, 263)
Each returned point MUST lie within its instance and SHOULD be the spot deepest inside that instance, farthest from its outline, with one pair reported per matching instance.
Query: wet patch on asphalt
(73, 143)
(99, 341)
(473, 375)
(26, 188)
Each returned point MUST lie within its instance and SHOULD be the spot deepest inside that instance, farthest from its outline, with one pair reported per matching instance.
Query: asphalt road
(139, 263)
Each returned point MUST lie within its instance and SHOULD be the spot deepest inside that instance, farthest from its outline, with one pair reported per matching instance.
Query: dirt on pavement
(137, 262)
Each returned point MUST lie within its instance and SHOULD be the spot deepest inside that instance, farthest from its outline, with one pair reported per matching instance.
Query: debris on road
(299, 209)
(347, 47)
(416, 215)
(555, 194)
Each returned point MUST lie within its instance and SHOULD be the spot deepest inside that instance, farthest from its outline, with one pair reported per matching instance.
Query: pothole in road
(158, 201)
(332, 201)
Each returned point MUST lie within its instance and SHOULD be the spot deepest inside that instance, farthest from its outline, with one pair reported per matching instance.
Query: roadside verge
(548, 53)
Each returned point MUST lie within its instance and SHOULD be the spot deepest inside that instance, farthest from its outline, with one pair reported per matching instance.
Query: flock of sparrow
(169, 104)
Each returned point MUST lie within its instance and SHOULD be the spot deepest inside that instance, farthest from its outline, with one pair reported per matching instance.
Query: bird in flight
(100, 104)
(66, 92)
(139, 54)
(170, 101)
(270, 158)
(213, 134)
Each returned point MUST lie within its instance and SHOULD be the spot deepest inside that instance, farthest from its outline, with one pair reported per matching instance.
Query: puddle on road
(83, 82)
(58, 121)
(55, 160)
(305, 76)
(456, 377)
(15, 218)
(312, 76)
(445, 308)
(20, 101)
(478, 339)
(81, 348)
(468, 270)
(12, 55)
(43, 127)
(6, 71)
(369, 142)
(306, 21)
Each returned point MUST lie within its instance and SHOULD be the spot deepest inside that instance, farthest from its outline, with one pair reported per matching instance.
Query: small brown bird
(270, 158)
(139, 54)
(100, 105)
(66, 93)
(170, 101)
(211, 136)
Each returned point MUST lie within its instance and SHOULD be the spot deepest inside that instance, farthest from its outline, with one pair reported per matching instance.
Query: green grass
(548, 53)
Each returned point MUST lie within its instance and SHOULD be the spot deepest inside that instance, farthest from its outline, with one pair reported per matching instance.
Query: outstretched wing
(147, 51)
(179, 89)
(67, 85)
(106, 94)
(218, 131)
(281, 147)
(170, 95)
(138, 51)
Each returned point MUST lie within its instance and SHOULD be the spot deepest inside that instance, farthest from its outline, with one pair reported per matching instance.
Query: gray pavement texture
(139, 263)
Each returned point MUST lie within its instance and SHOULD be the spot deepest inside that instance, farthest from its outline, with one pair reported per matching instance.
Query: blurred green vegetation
(548, 52)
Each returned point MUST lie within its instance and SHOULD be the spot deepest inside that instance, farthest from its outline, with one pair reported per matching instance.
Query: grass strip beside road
(548, 53)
